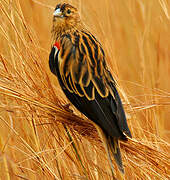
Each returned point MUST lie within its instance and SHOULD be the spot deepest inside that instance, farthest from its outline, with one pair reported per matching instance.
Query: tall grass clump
(41, 135)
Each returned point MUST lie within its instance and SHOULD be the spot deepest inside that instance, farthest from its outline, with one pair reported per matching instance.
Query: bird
(79, 62)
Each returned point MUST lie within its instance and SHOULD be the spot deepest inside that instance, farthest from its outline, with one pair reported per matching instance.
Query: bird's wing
(84, 73)
(81, 63)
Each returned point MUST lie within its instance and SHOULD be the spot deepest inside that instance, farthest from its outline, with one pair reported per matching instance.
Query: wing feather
(84, 73)
(81, 69)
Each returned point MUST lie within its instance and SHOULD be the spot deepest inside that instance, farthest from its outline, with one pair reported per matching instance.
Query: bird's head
(65, 17)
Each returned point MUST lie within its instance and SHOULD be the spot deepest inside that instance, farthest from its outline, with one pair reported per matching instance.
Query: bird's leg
(66, 107)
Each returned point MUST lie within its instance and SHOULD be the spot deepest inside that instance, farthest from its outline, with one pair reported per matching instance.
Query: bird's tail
(115, 151)
(112, 149)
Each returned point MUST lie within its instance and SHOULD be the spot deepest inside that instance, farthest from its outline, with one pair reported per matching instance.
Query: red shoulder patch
(57, 44)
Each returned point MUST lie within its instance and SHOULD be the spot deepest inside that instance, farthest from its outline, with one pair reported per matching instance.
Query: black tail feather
(112, 149)
(115, 150)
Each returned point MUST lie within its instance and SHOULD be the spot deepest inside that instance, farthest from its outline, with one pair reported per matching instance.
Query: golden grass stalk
(41, 138)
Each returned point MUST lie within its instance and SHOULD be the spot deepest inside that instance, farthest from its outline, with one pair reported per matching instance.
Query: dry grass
(39, 137)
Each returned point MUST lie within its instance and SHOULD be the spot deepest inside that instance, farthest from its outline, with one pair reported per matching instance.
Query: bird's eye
(68, 11)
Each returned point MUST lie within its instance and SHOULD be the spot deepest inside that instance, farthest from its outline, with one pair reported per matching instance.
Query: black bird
(78, 60)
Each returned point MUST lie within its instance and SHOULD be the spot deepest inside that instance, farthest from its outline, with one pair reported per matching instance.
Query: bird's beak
(58, 13)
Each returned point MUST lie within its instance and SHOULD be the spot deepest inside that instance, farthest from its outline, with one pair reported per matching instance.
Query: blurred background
(136, 39)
